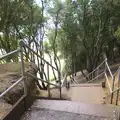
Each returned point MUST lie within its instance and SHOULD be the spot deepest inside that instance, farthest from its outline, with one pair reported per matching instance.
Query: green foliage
(117, 33)
(18, 20)
(86, 30)
(80, 31)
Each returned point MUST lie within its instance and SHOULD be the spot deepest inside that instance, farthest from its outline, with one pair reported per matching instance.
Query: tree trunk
(52, 67)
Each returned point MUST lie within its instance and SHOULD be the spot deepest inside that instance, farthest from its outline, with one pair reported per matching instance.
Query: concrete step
(86, 85)
(87, 93)
(69, 110)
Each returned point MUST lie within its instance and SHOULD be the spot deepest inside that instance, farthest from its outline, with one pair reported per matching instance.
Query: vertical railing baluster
(92, 75)
(59, 78)
(23, 73)
(117, 96)
(113, 81)
(105, 70)
(97, 72)
(22, 66)
(105, 65)
(48, 80)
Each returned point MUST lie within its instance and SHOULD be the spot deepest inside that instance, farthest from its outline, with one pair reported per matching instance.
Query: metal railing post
(48, 81)
(22, 66)
(105, 65)
(105, 70)
(111, 101)
(97, 72)
(23, 72)
(92, 75)
(117, 96)
(59, 78)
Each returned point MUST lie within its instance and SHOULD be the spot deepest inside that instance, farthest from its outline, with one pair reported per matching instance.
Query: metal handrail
(42, 80)
(64, 80)
(38, 55)
(112, 91)
(116, 90)
(10, 53)
(109, 69)
(99, 66)
(94, 70)
(11, 87)
(116, 71)
(59, 73)
(108, 83)
(95, 77)
(74, 80)
(22, 44)
(16, 83)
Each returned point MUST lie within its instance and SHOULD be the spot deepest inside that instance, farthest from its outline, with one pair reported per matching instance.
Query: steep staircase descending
(85, 101)
(104, 76)
(69, 110)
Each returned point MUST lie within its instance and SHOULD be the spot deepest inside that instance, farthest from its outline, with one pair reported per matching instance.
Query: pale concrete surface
(75, 107)
(68, 110)
(86, 93)
(87, 85)
(45, 114)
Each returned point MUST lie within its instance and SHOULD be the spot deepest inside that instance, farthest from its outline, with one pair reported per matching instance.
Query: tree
(86, 31)
(15, 23)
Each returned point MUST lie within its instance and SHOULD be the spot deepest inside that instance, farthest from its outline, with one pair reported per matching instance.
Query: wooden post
(48, 81)
(118, 87)
(111, 101)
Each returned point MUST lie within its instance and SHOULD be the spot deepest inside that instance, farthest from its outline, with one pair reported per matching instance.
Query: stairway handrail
(22, 44)
(64, 80)
(25, 45)
(93, 70)
(95, 77)
(110, 88)
(112, 91)
(10, 53)
(116, 71)
(42, 80)
(11, 87)
(109, 69)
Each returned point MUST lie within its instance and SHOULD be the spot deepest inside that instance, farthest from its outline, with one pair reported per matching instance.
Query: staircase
(84, 101)
(69, 110)
(85, 93)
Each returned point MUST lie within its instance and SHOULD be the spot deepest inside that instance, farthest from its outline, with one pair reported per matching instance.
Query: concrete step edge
(86, 85)
(76, 107)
